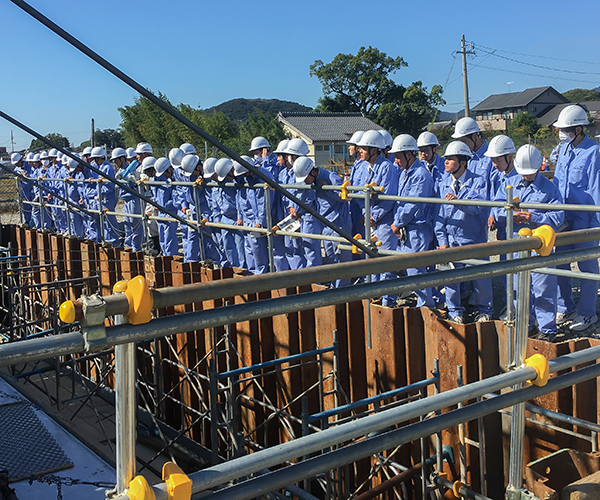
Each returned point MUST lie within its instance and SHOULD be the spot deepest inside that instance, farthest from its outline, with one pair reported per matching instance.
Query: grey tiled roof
(551, 116)
(510, 100)
(330, 127)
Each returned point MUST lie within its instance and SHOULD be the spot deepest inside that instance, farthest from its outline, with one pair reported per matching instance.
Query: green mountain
(238, 110)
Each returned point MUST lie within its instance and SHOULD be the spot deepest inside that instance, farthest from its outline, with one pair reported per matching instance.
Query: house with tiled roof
(325, 133)
(495, 112)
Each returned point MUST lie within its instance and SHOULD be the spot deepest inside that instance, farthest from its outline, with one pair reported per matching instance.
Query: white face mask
(45, 163)
(257, 157)
(564, 137)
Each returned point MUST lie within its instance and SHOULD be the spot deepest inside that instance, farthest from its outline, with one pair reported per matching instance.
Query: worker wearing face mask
(260, 150)
(577, 176)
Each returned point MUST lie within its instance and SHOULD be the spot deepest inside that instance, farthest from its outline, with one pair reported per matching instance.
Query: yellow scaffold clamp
(540, 364)
(548, 236)
(355, 249)
(374, 187)
(179, 486)
(139, 489)
(344, 192)
(140, 301)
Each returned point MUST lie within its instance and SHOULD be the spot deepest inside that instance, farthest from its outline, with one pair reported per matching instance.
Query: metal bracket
(92, 323)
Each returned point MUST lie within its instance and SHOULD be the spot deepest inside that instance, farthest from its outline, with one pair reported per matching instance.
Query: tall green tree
(522, 126)
(56, 138)
(582, 95)
(362, 83)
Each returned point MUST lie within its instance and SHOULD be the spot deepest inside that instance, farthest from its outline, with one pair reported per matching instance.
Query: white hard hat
(71, 164)
(53, 153)
(404, 142)
(188, 164)
(87, 151)
(209, 167)
(130, 153)
(59, 155)
(44, 155)
(144, 147)
(387, 138)
(118, 153)
(37, 157)
(161, 165)
(528, 160)
(148, 162)
(98, 152)
(64, 159)
(371, 139)
(15, 158)
(188, 148)
(297, 147)
(465, 126)
(457, 148)
(302, 167)
(223, 167)
(30, 157)
(571, 116)
(355, 137)
(176, 155)
(500, 145)
(281, 147)
(238, 168)
(427, 139)
(259, 143)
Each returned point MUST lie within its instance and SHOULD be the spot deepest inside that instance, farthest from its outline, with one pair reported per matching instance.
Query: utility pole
(463, 50)
(12, 142)
(92, 141)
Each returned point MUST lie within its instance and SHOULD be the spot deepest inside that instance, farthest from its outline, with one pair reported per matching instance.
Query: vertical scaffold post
(67, 207)
(515, 481)
(269, 226)
(125, 406)
(510, 292)
(368, 240)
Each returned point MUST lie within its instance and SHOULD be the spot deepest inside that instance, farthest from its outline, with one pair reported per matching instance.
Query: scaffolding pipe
(179, 117)
(313, 466)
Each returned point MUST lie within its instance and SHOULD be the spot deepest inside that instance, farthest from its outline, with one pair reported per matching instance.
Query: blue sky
(205, 52)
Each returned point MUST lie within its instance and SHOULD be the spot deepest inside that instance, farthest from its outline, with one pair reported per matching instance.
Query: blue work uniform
(75, 195)
(577, 176)
(60, 216)
(293, 246)
(25, 193)
(225, 199)
(482, 165)
(358, 175)
(543, 286)
(109, 201)
(337, 211)
(416, 220)
(310, 225)
(385, 175)
(91, 225)
(457, 226)
(39, 196)
(134, 226)
(167, 230)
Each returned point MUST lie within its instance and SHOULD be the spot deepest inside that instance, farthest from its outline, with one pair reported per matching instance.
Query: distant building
(325, 133)
(495, 112)
(592, 107)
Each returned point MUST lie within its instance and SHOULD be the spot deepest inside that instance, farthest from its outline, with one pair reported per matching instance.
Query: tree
(522, 126)
(362, 79)
(582, 95)
(361, 83)
(57, 139)
(111, 137)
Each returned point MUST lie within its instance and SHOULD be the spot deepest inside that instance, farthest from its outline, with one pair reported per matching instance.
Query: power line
(536, 65)
(540, 76)
(541, 57)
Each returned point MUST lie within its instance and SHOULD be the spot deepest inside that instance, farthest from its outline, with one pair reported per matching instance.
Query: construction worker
(147, 172)
(412, 221)
(143, 150)
(58, 173)
(387, 141)
(384, 174)
(501, 151)
(532, 187)
(577, 176)
(428, 151)
(329, 205)
(108, 193)
(25, 188)
(163, 195)
(213, 213)
(457, 225)
(260, 149)
(357, 178)
(225, 198)
(467, 131)
(75, 195)
(86, 154)
(41, 195)
(308, 249)
(252, 212)
(280, 248)
(133, 226)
